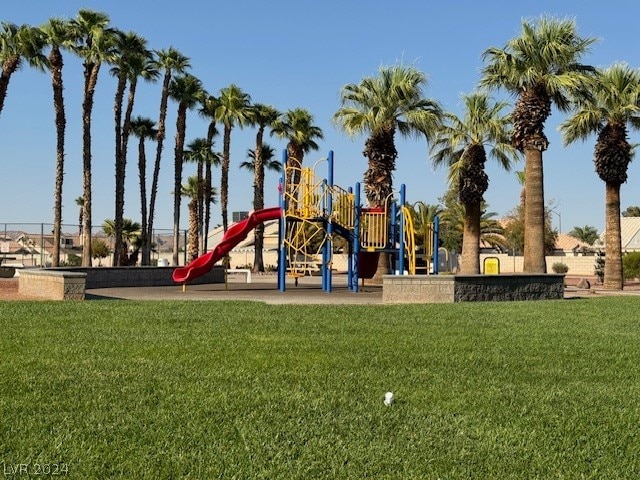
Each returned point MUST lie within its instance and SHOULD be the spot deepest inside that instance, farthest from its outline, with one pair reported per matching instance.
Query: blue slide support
(282, 257)
(401, 246)
(356, 239)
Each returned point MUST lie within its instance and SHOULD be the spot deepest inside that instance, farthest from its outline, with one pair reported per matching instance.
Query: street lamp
(559, 220)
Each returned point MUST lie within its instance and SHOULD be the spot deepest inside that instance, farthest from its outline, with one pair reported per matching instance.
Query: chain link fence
(31, 245)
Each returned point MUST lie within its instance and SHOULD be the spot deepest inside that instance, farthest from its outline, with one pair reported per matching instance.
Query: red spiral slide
(231, 238)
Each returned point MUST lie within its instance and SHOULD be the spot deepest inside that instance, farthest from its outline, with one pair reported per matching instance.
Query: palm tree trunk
(91, 79)
(207, 207)
(9, 66)
(258, 202)
(200, 201)
(118, 260)
(146, 253)
(192, 250)
(55, 64)
(534, 251)
(142, 168)
(470, 264)
(224, 177)
(181, 126)
(124, 141)
(613, 275)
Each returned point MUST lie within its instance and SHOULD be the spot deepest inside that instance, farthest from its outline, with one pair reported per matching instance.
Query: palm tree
(144, 129)
(199, 152)
(586, 234)
(172, 62)
(379, 106)
(130, 236)
(234, 109)
(269, 161)
(18, 44)
(192, 191)
(129, 50)
(208, 110)
(57, 35)
(94, 42)
(80, 203)
(187, 91)
(297, 126)
(461, 145)
(540, 67)
(263, 116)
(423, 215)
(612, 106)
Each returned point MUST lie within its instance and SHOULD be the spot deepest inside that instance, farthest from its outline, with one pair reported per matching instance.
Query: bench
(245, 271)
(52, 285)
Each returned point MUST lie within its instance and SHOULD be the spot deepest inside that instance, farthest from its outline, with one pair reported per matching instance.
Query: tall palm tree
(612, 106)
(57, 34)
(17, 45)
(192, 191)
(298, 128)
(199, 152)
(269, 162)
(144, 129)
(129, 47)
(379, 106)
(187, 90)
(263, 116)
(540, 67)
(172, 62)
(234, 109)
(208, 110)
(460, 144)
(94, 44)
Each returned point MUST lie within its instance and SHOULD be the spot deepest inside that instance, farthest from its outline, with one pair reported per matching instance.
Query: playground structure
(313, 211)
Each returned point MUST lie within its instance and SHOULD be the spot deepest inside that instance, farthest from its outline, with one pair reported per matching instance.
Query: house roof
(629, 233)
(567, 243)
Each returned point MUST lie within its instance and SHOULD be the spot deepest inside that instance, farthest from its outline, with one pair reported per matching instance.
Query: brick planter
(471, 288)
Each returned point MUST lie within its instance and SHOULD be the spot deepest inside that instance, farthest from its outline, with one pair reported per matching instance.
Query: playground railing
(374, 228)
(344, 212)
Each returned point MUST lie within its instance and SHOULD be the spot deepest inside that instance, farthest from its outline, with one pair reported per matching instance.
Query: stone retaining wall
(52, 285)
(111, 277)
(471, 288)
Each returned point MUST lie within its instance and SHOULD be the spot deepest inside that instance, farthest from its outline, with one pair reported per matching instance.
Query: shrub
(599, 266)
(631, 265)
(559, 268)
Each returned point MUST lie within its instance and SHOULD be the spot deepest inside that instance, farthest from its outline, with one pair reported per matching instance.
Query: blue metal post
(350, 258)
(282, 257)
(329, 242)
(356, 238)
(401, 247)
(436, 236)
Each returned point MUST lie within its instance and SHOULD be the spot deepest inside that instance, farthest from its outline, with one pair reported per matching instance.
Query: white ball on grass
(389, 398)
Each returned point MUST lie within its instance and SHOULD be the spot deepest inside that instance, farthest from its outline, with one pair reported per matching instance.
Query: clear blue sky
(297, 54)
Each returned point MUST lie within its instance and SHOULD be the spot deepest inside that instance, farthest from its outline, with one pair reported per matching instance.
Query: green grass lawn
(158, 390)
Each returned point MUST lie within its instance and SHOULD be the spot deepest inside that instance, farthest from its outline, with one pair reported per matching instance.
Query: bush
(599, 266)
(631, 265)
(559, 268)
(73, 260)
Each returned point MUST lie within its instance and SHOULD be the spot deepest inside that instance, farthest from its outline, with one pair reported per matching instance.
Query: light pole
(559, 220)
